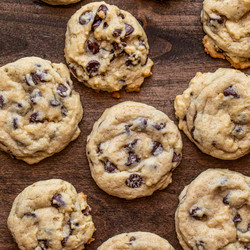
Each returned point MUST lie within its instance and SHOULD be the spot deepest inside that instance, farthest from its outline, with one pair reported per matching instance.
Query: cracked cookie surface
(227, 25)
(214, 212)
(214, 112)
(51, 215)
(133, 149)
(106, 48)
(136, 241)
(39, 110)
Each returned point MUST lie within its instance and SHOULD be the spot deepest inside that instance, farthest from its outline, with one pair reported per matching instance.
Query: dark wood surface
(33, 28)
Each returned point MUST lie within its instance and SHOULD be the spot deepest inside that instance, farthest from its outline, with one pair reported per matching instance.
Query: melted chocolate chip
(86, 211)
(103, 8)
(132, 158)
(116, 33)
(132, 238)
(57, 201)
(159, 126)
(237, 218)
(194, 212)
(33, 215)
(15, 123)
(40, 76)
(2, 102)
(96, 23)
(55, 103)
(110, 167)
(64, 241)
(134, 181)
(30, 79)
(92, 67)
(64, 111)
(34, 118)
(231, 91)
(93, 47)
(226, 199)
(62, 90)
(86, 17)
(157, 148)
(131, 145)
(115, 46)
(43, 243)
(129, 30)
(176, 157)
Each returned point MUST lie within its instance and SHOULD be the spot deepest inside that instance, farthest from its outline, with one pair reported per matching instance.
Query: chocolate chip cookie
(136, 241)
(133, 149)
(39, 110)
(60, 2)
(214, 112)
(51, 215)
(106, 48)
(214, 212)
(227, 25)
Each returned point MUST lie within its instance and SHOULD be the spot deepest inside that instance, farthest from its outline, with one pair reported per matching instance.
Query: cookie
(227, 27)
(214, 112)
(133, 149)
(136, 241)
(60, 2)
(51, 215)
(214, 212)
(39, 110)
(106, 48)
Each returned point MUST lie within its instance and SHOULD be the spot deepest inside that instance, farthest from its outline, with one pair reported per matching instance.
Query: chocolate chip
(64, 241)
(129, 30)
(64, 111)
(96, 23)
(86, 211)
(176, 157)
(140, 22)
(238, 128)
(30, 79)
(132, 238)
(134, 181)
(200, 245)
(34, 118)
(2, 102)
(127, 129)
(226, 199)
(93, 47)
(103, 8)
(105, 25)
(43, 243)
(55, 103)
(237, 218)
(116, 46)
(40, 76)
(36, 93)
(15, 123)
(194, 212)
(86, 17)
(121, 16)
(231, 91)
(116, 33)
(131, 145)
(123, 44)
(57, 201)
(92, 67)
(30, 215)
(99, 151)
(19, 105)
(159, 126)
(62, 90)
(110, 167)
(218, 19)
(132, 158)
(157, 148)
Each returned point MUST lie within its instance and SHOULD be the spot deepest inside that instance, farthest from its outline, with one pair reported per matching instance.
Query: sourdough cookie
(214, 212)
(133, 149)
(227, 25)
(51, 215)
(39, 110)
(214, 112)
(136, 241)
(107, 49)
(60, 2)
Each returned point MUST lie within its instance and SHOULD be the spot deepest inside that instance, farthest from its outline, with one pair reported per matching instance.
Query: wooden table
(33, 28)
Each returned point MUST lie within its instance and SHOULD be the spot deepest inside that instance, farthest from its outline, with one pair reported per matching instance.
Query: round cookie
(214, 212)
(214, 112)
(39, 110)
(136, 241)
(133, 149)
(227, 25)
(106, 48)
(51, 215)
(60, 2)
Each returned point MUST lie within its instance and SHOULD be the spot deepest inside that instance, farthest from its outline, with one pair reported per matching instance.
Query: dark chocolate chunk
(93, 47)
(231, 91)
(115, 46)
(55, 103)
(86, 211)
(159, 126)
(19, 105)
(132, 238)
(116, 33)
(62, 90)
(157, 148)
(34, 118)
(237, 218)
(129, 30)
(40, 76)
(30, 79)
(86, 17)
(43, 243)
(64, 241)
(131, 145)
(110, 167)
(105, 25)
(96, 23)
(176, 157)
(2, 102)
(134, 181)
(103, 8)
(132, 158)
(57, 201)
(226, 199)
(30, 215)
(64, 111)
(92, 67)
(15, 123)
(194, 212)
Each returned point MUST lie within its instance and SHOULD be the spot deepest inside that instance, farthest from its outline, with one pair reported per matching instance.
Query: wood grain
(33, 28)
